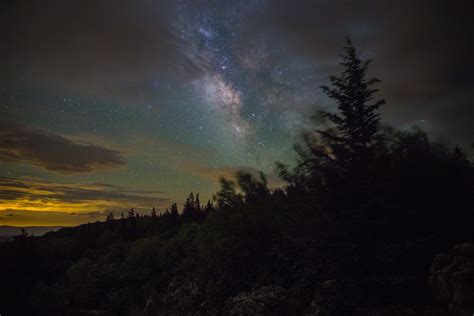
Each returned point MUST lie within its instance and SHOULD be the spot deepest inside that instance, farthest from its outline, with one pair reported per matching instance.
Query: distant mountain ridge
(6, 230)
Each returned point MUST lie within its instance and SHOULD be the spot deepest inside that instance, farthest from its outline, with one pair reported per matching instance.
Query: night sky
(105, 105)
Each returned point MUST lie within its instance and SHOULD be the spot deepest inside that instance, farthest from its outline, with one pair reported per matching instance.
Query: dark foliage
(365, 210)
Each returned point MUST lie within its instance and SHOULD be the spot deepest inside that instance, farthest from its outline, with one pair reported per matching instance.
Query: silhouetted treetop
(252, 187)
(358, 118)
(326, 156)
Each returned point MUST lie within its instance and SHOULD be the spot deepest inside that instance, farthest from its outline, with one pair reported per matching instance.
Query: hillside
(6, 230)
(264, 257)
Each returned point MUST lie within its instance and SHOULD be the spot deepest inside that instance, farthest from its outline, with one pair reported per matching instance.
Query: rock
(334, 297)
(462, 288)
(458, 311)
(185, 298)
(464, 249)
(435, 311)
(182, 297)
(452, 279)
(268, 300)
(330, 285)
(152, 302)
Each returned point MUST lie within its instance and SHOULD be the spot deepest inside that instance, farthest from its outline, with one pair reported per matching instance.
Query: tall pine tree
(328, 157)
(357, 123)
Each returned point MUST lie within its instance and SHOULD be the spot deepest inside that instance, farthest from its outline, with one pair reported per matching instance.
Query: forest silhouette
(365, 210)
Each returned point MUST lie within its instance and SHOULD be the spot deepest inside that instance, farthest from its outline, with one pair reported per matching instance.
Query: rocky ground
(451, 281)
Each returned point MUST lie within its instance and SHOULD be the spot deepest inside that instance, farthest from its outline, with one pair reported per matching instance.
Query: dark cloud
(53, 152)
(422, 37)
(117, 49)
(125, 189)
(79, 194)
(9, 182)
(11, 194)
(112, 49)
(422, 52)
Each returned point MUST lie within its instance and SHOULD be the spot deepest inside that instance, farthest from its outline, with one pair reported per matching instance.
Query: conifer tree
(357, 120)
(227, 196)
(174, 209)
(197, 203)
(253, 188)
(209, 206)
(174, 213)
(191, 213)
(131, 213)
(328, 156)
(110, 217)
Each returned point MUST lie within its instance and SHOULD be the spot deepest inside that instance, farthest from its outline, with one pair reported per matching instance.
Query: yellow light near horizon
(39, 203)
(59, 206)
(34, 218)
